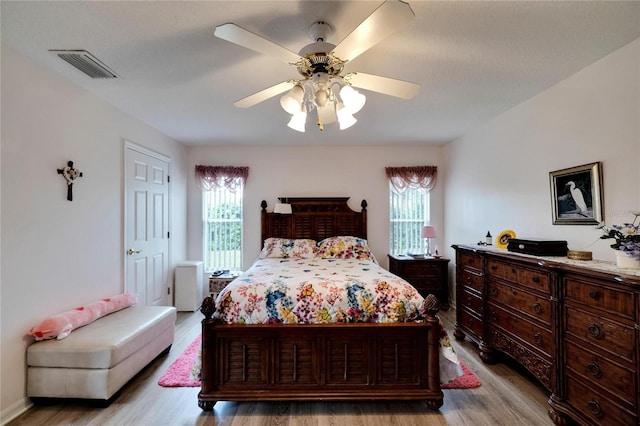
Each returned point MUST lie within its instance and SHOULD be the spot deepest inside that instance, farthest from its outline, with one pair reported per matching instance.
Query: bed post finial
(363, 204)
(263, 204)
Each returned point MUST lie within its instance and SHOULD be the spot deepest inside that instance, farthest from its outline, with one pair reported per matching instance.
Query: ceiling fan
(322, 86)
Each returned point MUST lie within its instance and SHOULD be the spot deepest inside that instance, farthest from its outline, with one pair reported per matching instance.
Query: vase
(623, 260)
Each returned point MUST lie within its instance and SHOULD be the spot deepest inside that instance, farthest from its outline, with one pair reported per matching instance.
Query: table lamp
(428, 232)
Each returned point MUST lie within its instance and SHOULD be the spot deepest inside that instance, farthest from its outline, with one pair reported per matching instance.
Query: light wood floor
(506, 397)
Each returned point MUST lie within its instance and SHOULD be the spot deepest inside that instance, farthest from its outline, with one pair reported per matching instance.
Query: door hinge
(169, 290)
(168, 235)
(168, 178)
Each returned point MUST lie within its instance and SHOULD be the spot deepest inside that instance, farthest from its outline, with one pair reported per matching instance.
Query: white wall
(58, 254)
(498, 174)
(323, 171)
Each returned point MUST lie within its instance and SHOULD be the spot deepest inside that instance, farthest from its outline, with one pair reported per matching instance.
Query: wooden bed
(338, 361)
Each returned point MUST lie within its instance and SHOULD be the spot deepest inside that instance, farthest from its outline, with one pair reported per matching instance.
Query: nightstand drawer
(420, 269)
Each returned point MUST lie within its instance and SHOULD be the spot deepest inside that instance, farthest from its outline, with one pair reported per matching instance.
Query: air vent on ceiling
(85, 62)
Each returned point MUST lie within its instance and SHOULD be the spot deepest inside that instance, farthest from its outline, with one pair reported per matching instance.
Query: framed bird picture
(576, 195)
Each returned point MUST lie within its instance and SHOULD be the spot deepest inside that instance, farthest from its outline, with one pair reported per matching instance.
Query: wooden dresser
(574, 325)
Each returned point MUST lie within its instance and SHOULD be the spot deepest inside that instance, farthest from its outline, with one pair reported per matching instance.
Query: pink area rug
(468, 380)
(179, 372)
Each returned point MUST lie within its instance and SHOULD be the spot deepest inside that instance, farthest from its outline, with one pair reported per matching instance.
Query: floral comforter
(316, 291)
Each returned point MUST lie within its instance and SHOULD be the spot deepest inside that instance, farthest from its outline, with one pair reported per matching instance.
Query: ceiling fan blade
(388, 18)
(388, 86)
(265, 94)
(245, 38)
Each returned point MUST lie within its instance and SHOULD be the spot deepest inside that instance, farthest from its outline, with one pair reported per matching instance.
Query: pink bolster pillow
(61, 325)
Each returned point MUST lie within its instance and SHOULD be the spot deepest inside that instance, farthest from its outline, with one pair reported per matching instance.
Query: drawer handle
(494, 316)
(595, 331)
(469, 280)
(594, 407)
(594, 369)
(537, 308)
(593, 294)
(538, 338)
(535, 279)
(513, 270)
(494, 268)
(494, 291)
(514, 291)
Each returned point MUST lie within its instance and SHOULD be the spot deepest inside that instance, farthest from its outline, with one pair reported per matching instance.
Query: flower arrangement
(626, 236)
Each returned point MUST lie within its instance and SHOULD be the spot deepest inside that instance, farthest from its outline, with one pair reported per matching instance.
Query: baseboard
(14, 410)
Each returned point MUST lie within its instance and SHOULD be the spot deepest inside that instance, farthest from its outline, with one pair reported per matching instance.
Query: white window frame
(404, 228)
(229, 261)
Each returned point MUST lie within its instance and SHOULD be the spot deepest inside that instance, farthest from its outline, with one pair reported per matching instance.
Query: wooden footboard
(346, 361)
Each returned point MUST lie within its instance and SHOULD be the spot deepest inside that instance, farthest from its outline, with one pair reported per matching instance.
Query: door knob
(132, 251)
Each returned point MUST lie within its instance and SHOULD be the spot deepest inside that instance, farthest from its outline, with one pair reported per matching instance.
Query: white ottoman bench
(96, 360)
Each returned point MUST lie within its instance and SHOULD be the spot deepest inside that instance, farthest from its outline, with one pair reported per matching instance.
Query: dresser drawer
(597, 331)
(522, 301)
(602, 371)
(596, 407)
(523, 276)
(470, 260)
(535, 335)
(503, 270)
(470, 322)
(472, 302)
(600, 298)
(471, 280)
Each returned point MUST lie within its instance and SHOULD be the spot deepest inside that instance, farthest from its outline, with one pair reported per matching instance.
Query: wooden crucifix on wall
(70, 174)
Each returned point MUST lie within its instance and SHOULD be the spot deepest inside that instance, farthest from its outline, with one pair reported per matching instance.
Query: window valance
(415, 177)
(209, 178)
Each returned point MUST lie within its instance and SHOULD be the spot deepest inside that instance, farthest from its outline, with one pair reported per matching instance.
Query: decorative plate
(503, 238)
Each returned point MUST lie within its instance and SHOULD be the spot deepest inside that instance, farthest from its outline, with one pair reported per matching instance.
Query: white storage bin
(188, 286)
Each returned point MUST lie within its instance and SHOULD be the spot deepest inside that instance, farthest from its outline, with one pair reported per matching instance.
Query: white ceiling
(473, 60)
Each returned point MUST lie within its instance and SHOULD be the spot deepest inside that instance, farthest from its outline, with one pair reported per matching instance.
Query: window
(408, 212)
(222, 191)
(223, 229)
(409, 208)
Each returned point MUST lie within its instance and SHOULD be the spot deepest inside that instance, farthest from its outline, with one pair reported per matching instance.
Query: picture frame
(577, 195)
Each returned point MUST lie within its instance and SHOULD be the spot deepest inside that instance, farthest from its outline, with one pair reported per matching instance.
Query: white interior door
(146, 225)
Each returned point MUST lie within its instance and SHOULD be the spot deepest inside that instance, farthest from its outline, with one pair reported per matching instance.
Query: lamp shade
(282, 208)
(428, 232)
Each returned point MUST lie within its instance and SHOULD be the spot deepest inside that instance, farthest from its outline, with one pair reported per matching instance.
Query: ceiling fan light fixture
(346, 120)
(353, 100)
(292, 100)
(298, 121)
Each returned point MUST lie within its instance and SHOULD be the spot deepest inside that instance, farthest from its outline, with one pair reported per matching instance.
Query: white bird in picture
(578, 198)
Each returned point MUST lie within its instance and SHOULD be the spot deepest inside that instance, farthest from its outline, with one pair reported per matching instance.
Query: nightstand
(426, 274)
(217, 283)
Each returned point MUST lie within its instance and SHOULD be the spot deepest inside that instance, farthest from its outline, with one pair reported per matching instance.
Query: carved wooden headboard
(315, 218)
